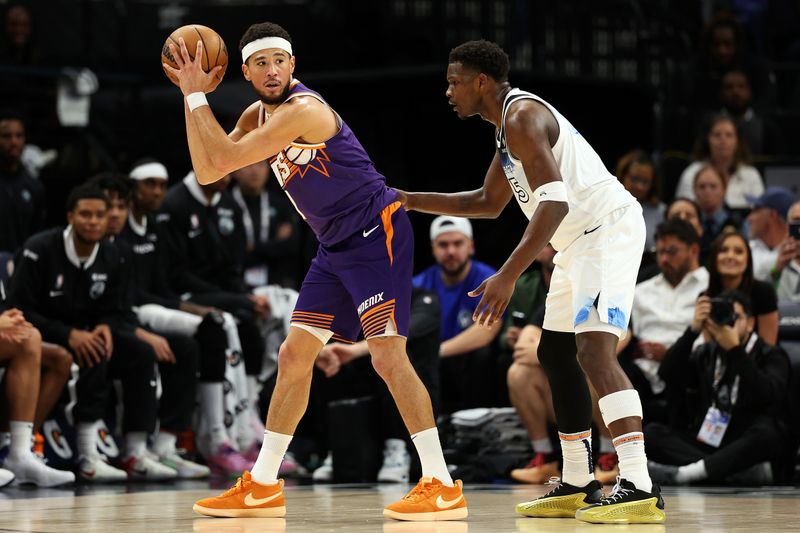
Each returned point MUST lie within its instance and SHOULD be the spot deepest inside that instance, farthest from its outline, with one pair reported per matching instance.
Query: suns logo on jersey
(299, 159)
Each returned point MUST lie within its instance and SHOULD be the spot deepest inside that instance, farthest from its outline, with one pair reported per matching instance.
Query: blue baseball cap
(776, 198)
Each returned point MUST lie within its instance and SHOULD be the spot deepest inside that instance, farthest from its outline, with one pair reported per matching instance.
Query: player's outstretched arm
(486, 202)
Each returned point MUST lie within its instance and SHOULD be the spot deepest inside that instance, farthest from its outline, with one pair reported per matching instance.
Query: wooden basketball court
(357, 508)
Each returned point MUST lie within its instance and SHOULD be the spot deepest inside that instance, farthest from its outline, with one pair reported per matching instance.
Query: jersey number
(282, 170)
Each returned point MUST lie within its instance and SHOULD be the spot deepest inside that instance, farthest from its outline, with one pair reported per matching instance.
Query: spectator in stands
(723, 47)
(730, 395)
(709, 189)
(20, 356)
(17, 46)
(722, 148)
(21, 196)
(70, 285)
(466, 352)
(207, 242)
(788, 262)
(663, 307)
(768, 230)
(730, 267)
(270, 225)
(163, 311)
(177, 354)
(528, 387)
(637, 173)
(761, 134)
(351, 375)
(686, 210)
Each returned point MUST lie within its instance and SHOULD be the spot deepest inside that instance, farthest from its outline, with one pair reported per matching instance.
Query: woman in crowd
(715, 218)
(730, 267)
(722, 148)
(638, 175)
(688, 210)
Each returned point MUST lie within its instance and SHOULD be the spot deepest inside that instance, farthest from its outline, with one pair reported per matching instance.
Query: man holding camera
(728, 397)
(787, 265)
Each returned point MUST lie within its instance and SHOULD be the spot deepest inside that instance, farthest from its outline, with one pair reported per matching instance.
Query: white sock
(542, 445)
(212, 407)
(87, 445)
(21, 435)
(692, 472)
(606, 445)
(165, 443)
(632, 460)
(274, 447)
(135, 443)
(576, 449)
(430, 455)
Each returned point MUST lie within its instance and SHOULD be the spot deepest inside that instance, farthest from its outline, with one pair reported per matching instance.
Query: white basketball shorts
(594, 278)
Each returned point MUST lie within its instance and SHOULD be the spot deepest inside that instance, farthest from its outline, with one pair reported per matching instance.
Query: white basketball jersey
(592, 191)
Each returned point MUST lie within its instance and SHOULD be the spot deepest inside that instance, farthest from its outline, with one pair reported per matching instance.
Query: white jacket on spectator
(746, 181)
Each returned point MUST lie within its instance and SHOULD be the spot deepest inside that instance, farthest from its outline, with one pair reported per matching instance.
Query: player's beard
(281, 98)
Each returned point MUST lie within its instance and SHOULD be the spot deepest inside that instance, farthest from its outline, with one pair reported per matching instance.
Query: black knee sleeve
(571, 399)
(213, 342)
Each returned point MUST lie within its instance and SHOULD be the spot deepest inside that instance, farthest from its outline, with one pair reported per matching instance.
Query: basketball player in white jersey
(596, 226)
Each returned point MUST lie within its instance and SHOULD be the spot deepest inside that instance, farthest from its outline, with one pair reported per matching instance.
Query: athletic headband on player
(264, 43)
(149, 170)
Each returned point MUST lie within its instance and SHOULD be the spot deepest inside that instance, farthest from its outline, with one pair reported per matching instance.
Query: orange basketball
(214, 51)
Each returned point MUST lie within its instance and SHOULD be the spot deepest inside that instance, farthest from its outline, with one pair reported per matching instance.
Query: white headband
(149, 170)
(264, 43)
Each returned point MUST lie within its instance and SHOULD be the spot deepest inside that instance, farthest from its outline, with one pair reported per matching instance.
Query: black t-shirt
(763, 298)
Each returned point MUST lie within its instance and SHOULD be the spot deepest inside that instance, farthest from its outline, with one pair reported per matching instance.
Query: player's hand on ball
(497, 291)
(193, 79)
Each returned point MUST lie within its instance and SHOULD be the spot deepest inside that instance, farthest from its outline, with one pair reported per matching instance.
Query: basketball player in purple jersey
(359, 280)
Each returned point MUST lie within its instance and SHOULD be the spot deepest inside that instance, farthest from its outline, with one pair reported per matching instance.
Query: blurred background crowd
(142, 313)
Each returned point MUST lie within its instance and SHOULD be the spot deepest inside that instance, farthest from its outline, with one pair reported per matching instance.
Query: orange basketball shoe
(246, 499)
(430, 500)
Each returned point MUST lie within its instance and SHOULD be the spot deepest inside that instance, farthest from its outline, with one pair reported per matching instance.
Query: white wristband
(552, 191)
(196, 100)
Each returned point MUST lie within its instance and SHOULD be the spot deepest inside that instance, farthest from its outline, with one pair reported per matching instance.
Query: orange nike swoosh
(251, 501)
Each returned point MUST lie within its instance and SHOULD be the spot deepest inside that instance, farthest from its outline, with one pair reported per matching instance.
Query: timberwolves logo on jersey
(299, 158)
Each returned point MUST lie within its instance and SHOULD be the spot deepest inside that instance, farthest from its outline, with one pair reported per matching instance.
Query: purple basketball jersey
(333, 185)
